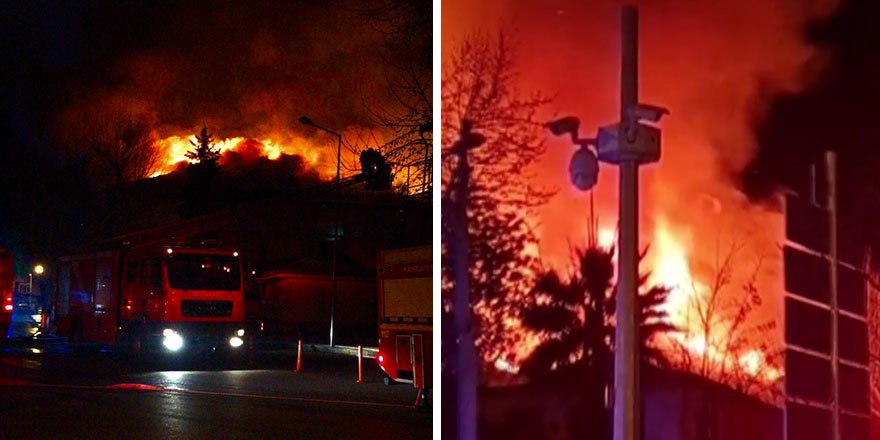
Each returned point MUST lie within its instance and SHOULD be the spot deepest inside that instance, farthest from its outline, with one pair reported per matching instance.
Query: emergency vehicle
(405, 315)
(154, 298)
(7, 281)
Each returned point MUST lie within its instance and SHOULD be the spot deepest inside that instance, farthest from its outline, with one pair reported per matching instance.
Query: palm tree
(575, 316)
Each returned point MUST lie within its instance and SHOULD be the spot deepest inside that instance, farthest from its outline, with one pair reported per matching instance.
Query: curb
(369, 352)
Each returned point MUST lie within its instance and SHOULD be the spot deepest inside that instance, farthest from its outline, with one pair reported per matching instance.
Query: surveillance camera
(584, 169)
(565, 125)
(647, 112)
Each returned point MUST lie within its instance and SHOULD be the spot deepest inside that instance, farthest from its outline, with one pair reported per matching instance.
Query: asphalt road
(94, 394)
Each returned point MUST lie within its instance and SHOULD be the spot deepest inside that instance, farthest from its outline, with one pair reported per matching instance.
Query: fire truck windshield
(203, 272)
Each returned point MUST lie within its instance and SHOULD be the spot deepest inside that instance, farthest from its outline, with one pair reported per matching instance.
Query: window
(156, 273)
(203, 272)
(145, 271)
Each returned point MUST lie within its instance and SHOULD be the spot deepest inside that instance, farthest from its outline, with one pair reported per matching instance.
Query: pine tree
(205, 154)
(201, 192)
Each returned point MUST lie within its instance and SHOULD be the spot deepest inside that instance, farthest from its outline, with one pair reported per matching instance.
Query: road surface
(96, 394)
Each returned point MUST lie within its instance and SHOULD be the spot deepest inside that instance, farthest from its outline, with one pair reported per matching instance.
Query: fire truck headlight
(240, 332)
(172, 340)
(235, 342)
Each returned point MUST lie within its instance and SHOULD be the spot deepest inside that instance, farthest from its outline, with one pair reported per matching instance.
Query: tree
(726, 341)
(479, 85)
(205, 155)
(114, 146)
(574, 316)
(407, 66)
(201, 196)
(127, 150)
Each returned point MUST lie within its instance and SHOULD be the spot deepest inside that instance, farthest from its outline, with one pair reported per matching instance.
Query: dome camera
(584, 169)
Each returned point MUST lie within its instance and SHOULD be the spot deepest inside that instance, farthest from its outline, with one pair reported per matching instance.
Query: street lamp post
(306, 121)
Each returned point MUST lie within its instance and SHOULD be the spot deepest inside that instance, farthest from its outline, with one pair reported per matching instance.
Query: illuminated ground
(95, 395)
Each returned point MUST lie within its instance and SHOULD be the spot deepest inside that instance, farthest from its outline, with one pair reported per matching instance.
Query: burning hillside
(172, 152)
(247, 72)
(718, 251)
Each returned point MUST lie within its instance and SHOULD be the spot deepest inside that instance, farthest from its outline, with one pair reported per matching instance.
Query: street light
(306, 121)
(38, 269)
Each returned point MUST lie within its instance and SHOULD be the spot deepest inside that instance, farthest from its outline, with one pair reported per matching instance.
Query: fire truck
(405, 315)
(7, 281)
(155, 298)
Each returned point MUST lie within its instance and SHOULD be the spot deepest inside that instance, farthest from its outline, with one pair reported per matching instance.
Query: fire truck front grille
(206, 308)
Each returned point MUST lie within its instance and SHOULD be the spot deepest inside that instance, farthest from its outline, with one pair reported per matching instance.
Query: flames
(695, 60)
(173, 149)
(709, 342)
(706, 342)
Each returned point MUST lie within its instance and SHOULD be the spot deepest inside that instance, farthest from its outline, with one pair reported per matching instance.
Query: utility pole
(306, 121)
(626, 347)
(831, 175)
(468, 366)
(627, 144)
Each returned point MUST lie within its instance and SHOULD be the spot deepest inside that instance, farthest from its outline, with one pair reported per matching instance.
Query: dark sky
(839, 110)
(242, 68)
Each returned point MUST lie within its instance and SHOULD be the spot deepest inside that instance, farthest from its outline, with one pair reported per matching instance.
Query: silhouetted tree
(201, 194)
(114, 147)
(728, 340)
(407, 65)
(478, 85)
(204, 153)
(574, 314)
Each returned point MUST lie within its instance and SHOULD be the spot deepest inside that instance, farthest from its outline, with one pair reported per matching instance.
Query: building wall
(296, 305)
(676, 406)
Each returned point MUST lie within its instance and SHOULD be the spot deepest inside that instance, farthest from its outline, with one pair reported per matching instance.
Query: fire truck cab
(158, 298)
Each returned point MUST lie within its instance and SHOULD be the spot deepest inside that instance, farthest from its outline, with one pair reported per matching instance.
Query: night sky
(837, 110)
(241, 68)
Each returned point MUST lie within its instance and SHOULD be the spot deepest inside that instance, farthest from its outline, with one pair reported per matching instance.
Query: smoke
(833, 112)
(713, 65)
(243, 69)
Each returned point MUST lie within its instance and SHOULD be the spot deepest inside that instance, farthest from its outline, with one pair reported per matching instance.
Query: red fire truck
(405, 315)
(7, 281)
(154, 298)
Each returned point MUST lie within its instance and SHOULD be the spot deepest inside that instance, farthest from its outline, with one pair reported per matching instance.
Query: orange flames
(173, 151)
(696, 60)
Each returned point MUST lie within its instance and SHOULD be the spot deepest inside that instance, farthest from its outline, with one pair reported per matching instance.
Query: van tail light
(7, 306)
(381, 358)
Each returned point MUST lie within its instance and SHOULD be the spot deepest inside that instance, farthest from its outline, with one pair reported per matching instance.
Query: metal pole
(426, 173)
(831, 172)
(467, 359)
(335, 234)
(299, 355)
(360, 364)
(626, 375)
